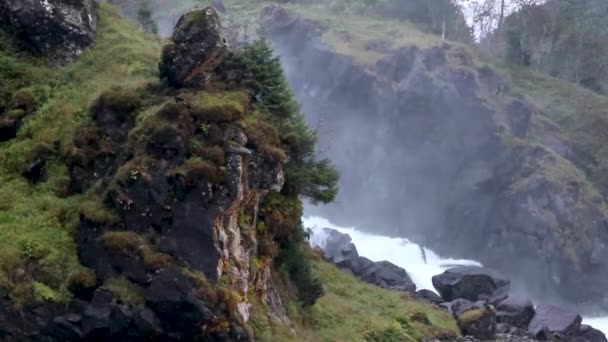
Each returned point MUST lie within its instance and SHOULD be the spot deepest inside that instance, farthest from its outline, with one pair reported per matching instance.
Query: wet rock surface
(57, 29)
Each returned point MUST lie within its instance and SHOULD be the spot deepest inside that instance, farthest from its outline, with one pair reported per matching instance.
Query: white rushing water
(405, 254)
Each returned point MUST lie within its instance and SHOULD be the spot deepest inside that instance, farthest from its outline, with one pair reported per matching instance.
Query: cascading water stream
(420, 263)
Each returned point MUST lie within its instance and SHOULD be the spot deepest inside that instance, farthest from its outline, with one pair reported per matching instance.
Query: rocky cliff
(435, 142)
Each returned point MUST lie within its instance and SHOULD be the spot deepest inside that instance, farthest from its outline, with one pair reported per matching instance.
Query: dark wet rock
(472, 283)
(196, 48)
(172, 297)
(64, 330)
(429, 296)
(57, 29)
(96, 322)
(515, 311)
(550, 320)
(35, 171)
(520, 115)
(146, 323)
(399, 64)
(478, 323)
(387, 275)
(587, 333)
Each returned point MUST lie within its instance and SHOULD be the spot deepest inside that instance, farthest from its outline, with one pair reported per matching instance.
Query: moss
(195, 169)
(214, 154)
(124, 242)
(125, 291)
(83, 277)
(44, 293)
(154, 260)
(122, 101)
(227, 106)
(203, 287)
(97, 212)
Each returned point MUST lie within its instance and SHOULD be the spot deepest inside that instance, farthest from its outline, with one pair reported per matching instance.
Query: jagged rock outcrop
(57, 29)
(197, 47)
(474, 182)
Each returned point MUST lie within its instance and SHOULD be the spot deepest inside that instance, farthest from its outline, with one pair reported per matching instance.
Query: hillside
(141, 210)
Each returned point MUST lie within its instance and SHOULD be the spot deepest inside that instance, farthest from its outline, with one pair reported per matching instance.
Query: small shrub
(214, 154)
(44, 293)
(154, 260)
(272, 153)
(96, 212)
(173, 112)
(125, 291)
(195, 169)
(122, 242)
(24, 100)
(83, 278)
(202, 285)
(123, 101)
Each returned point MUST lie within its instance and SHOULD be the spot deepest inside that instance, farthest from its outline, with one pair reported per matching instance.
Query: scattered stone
(197, 47)
(550, 321)
(388, 276)
(429, 296)
(57, 29)
(515, 311)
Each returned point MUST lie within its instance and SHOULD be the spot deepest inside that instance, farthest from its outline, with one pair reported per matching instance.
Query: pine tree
(305, 174)
(144, 16)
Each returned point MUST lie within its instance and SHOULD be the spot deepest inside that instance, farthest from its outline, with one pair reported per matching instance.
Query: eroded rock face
(197, 47)
(57, 29)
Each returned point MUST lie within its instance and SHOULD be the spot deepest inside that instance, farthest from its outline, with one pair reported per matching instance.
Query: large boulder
(515, 311)
(550, 321)
(478, 323)
(340, 250)
(472, 283)
(57, 29)
(388, 276)
(196, 48)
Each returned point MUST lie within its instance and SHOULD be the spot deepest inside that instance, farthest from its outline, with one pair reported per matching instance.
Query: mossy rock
(220, 107)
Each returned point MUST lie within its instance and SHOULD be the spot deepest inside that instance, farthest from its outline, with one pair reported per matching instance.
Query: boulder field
(477, 297)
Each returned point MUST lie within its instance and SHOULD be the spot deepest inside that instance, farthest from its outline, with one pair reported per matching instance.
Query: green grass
(39, 221)
(350, 310)
(353, 311)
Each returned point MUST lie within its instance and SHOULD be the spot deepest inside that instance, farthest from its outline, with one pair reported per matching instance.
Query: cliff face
(434, 143)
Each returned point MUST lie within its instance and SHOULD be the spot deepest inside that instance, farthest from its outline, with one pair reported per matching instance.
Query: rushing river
(421, 263)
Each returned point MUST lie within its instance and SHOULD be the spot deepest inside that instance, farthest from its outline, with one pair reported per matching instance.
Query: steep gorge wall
(433, 145)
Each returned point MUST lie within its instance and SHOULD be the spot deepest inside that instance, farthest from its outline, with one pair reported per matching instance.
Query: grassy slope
(354, 311)
(37, 222)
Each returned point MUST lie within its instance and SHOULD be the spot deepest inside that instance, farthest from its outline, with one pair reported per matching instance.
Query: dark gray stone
(550, 320)
(472, 283)
(515, 311)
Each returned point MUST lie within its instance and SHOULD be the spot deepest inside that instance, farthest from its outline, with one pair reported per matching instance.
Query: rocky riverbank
(478, 298)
